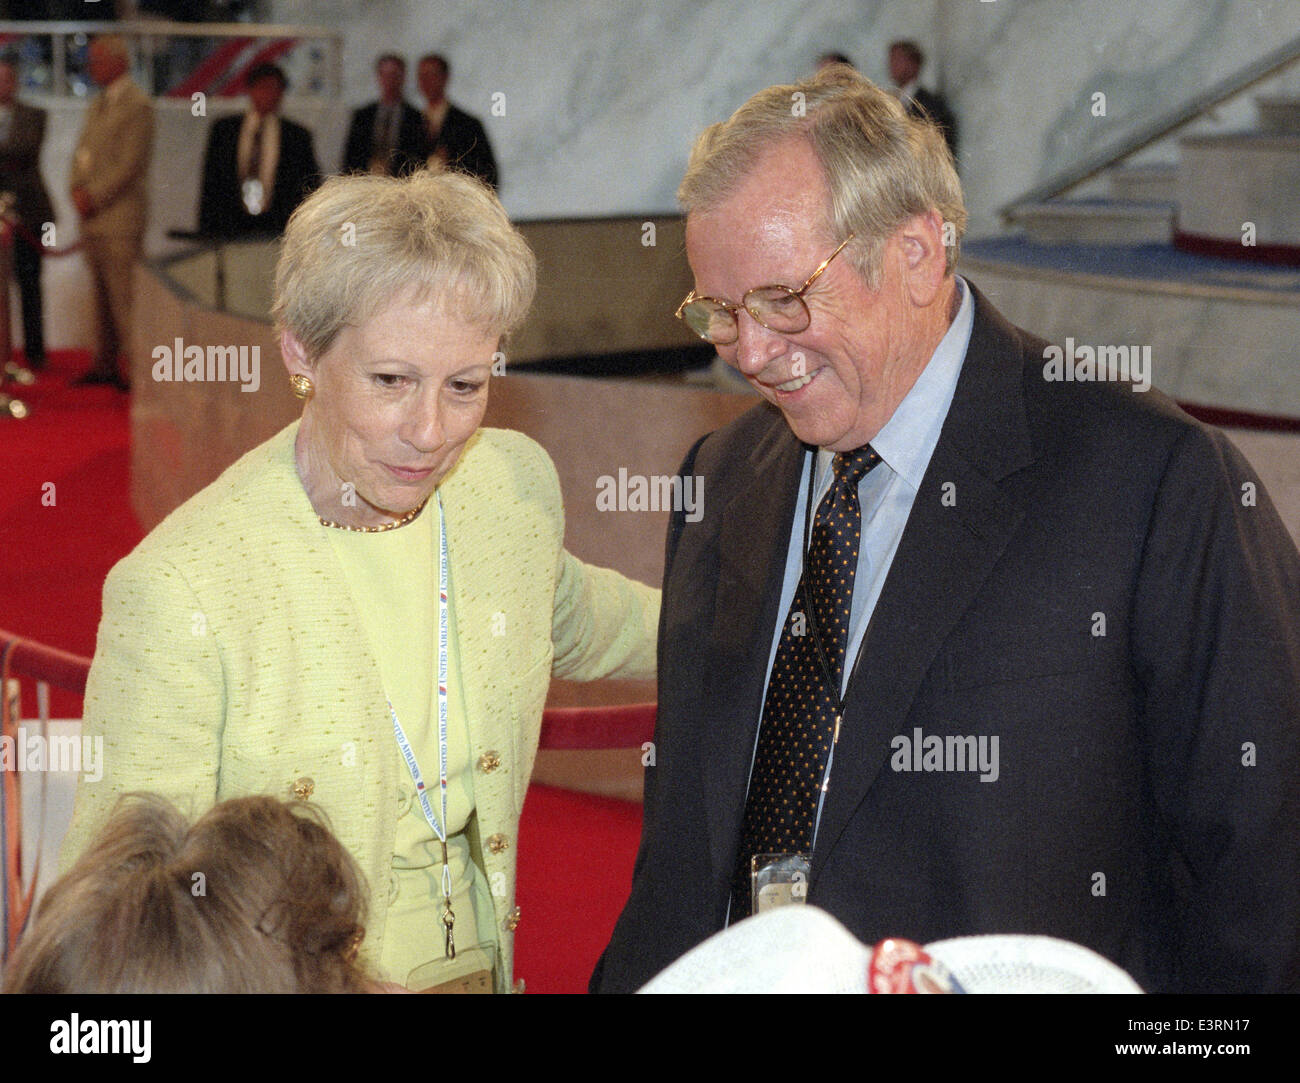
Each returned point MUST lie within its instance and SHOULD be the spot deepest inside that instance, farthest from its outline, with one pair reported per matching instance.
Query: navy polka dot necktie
(799, 711)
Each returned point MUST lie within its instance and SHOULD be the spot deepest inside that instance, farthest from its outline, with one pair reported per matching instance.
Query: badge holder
(778, 880)
(472, 971)
(253, 196)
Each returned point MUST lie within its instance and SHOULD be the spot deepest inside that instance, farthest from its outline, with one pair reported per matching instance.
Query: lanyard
(408, 753)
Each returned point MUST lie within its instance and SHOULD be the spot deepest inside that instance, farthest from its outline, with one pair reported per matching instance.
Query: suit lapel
(753, 543)
(947, 550)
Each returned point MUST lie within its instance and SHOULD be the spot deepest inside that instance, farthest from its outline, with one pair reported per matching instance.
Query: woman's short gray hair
(882, 167)
(361, 242)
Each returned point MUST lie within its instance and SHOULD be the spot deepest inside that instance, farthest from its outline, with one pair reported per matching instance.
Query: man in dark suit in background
(905, 63)
(388, 136)
(22, 129)
(456, 139)
(1033, 664)
(258, 166)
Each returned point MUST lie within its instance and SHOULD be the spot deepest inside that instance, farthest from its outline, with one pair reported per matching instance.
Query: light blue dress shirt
(905, 445)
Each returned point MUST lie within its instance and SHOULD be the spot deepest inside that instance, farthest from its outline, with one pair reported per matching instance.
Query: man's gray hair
(882, 166)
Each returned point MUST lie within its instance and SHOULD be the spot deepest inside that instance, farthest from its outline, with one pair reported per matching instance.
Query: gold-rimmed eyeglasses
(778, 308)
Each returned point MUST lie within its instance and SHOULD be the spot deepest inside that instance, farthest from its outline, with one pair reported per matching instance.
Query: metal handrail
(1229, 87)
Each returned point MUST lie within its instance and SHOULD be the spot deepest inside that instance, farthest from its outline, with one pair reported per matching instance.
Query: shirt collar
(251, 117)
(908, 439)
(117, 87)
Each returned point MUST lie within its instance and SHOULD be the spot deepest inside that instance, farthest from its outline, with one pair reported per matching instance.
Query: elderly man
(109, 181)
(956, 647)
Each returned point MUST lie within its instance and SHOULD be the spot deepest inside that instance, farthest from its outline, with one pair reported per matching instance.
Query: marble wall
(1021, 75)
(603, 97)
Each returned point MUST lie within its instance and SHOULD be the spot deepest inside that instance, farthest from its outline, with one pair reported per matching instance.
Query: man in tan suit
(109, 173)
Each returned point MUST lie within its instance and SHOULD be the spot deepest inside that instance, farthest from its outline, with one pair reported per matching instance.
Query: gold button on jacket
(303, 788)
(513, 919)
(498, 843)
(489, 762)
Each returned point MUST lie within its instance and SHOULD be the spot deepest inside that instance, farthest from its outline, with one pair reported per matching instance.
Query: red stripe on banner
(211, 69)
(268, 54)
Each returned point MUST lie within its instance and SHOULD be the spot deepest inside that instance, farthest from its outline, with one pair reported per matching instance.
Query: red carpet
(576, 851)
(65, 511)
(575, 869)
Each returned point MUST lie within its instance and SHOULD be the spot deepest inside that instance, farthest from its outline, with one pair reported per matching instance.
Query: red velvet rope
(27, 658)
(9, 225)
(623, 726)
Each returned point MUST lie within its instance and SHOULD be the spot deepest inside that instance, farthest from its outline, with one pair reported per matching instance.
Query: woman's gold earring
(302, 385)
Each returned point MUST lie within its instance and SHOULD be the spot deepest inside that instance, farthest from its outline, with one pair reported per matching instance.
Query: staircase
(1231, 195)
(1195, 252)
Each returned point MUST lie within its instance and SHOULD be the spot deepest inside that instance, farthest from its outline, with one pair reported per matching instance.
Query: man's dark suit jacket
(221, 206)
(1162, 756)
(932, 105)
(467, 146)
(411, 151)
(20, 173)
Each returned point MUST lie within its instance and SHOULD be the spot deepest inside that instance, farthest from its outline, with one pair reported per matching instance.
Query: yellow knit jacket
(231, 658)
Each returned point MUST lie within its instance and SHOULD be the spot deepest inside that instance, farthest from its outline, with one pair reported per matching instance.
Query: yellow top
(232, 659)
(393, 575)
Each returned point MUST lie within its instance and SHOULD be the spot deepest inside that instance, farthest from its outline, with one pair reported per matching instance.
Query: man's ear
(924, 256)
(294, 355)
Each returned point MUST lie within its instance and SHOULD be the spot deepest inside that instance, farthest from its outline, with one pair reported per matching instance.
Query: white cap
(801, 949)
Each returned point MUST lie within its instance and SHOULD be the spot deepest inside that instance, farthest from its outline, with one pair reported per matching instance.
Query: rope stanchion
(46, 665)
(15, 904)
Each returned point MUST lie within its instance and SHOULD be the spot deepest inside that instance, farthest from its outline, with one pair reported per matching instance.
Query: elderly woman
(366, 610)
